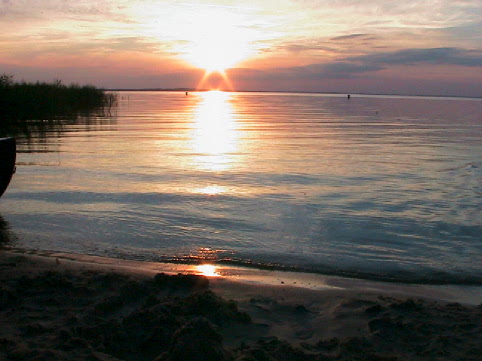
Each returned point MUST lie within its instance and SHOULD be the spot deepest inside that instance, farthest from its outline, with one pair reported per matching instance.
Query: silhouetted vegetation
(47, 101)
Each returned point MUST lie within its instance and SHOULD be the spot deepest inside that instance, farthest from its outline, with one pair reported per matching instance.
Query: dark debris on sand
(100, 316)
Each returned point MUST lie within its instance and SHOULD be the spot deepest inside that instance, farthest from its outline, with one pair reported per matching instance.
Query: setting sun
(215, 54)
(216, 40)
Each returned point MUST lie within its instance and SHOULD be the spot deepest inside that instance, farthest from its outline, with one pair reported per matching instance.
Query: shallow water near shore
(373, 187)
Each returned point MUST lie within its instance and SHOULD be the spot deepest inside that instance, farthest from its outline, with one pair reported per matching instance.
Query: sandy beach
(77, 307)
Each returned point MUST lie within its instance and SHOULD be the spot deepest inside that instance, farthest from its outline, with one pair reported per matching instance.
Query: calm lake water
(372, 187)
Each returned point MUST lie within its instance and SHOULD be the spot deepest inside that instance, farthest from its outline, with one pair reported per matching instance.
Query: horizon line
(293, 91)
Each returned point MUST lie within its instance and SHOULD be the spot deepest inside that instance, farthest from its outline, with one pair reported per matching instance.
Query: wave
(433, 277)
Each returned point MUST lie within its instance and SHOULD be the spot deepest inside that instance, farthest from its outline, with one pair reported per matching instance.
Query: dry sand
(77, 307)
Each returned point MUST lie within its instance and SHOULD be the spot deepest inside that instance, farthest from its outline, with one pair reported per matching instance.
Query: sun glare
(216, 40)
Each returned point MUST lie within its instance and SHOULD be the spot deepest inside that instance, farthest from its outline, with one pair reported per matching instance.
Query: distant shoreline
(292, 92)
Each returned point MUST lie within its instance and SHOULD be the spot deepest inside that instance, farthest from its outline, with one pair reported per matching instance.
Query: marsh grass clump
(46, 101)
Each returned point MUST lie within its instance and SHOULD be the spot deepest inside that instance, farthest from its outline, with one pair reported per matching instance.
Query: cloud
(327, 48)
(354, 67)
(436, 56)
(43, 21)
(349, 37)
(404, 13)
(306, 46)
(341, 69)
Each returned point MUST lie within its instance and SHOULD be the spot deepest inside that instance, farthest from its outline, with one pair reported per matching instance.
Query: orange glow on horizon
(208, 74)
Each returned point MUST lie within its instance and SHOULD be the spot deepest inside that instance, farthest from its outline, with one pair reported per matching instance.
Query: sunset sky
(403, 47)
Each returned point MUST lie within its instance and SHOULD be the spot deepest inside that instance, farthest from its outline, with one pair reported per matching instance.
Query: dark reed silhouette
(46, 101)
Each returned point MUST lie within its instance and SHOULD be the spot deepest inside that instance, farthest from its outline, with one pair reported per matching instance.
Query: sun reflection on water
(211, 190)
(207, 270)
(215, 132)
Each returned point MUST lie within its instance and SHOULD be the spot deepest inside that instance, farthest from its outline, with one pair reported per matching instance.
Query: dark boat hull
(8, 153)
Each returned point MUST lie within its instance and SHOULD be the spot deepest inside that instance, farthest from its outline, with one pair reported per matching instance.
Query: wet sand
(77, 307)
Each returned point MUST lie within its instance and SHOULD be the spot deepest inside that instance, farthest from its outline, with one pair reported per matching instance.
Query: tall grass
(46, 101)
